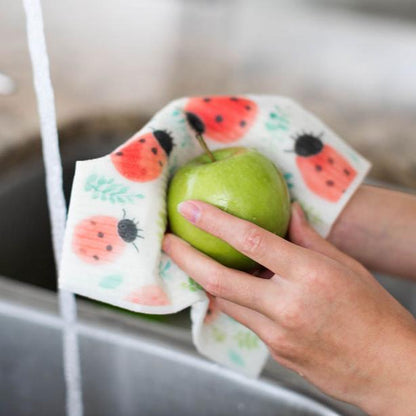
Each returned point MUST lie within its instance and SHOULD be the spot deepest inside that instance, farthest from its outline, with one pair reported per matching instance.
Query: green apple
(240, 181)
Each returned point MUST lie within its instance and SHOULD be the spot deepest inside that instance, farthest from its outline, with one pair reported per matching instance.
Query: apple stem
(204, 146)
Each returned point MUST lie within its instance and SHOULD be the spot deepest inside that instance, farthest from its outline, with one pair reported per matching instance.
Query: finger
(258, 323)
(218, 280)
(301, 233)
(264, 247)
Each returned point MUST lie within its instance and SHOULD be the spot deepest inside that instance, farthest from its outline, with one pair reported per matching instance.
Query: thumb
(302, 234)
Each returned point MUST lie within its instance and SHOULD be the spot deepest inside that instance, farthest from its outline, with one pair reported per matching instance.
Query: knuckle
(293, 317)
(280, 346)
(252, 241)
(275, 341)
(315, 277)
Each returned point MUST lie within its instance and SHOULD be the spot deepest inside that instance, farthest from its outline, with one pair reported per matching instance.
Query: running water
(56, 199)
(7, 85)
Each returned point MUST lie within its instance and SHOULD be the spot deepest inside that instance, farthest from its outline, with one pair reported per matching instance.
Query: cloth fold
(117, 214)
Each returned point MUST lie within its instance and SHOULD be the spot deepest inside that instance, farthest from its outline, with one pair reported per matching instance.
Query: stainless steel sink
(129, 367)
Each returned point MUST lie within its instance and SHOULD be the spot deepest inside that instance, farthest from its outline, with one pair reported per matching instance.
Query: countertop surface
(354, 70)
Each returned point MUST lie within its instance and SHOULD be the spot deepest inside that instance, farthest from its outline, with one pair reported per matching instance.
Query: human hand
(321, 314)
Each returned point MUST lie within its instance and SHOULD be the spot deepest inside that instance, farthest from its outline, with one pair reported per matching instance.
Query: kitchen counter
(355, 71)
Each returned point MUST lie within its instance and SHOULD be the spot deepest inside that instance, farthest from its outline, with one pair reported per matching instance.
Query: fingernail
(297, 211)
(190, 211)
(166, 243)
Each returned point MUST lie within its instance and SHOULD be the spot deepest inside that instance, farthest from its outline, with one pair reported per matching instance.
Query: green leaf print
(191, 285)
(105, 189)
(218, 334)
(173, 164)
(176, 112)
(111, 281)
(288, 178)
(164, 269)
(236, 358)
(311, 213)
(101, 180)
(247, 340)
(277, 120)
(354, 157)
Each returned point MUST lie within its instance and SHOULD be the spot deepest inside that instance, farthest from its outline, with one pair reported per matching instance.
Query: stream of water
(56, 199)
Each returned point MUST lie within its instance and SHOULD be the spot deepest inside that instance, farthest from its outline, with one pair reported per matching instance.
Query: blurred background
(352, 62)
(115, 62)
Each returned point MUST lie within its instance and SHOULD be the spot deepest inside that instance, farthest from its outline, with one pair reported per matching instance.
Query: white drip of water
(7, 85)
(56, 199)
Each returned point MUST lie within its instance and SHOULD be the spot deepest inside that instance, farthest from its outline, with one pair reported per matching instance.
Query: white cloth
(117, 215)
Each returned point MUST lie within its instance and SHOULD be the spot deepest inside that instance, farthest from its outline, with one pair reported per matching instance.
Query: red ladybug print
(101, 239)
(325, 171)
(223, 119)
(150, 295)
(142, 158)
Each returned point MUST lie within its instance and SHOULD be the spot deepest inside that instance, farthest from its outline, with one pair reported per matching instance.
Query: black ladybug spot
(100, 234)
(165, 141)
(93, 222)
(218, 118)
(195, 122)
(207, 99)
(119, 154)
(233, 98)
(330, 161)
(308, 145)
(329, 182)
(347, 172)
(95, 257)
(127, 230)
(160, 163)
(109, 247)
(248, 107)
(318, 168)
(243, 123)
(154, 150)
(142, 140)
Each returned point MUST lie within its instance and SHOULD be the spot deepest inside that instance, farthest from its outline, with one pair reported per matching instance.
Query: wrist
(375, 221)
(392, 383)
(353, 222)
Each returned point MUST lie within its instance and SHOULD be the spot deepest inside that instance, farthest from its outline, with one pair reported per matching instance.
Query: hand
(321, 314)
